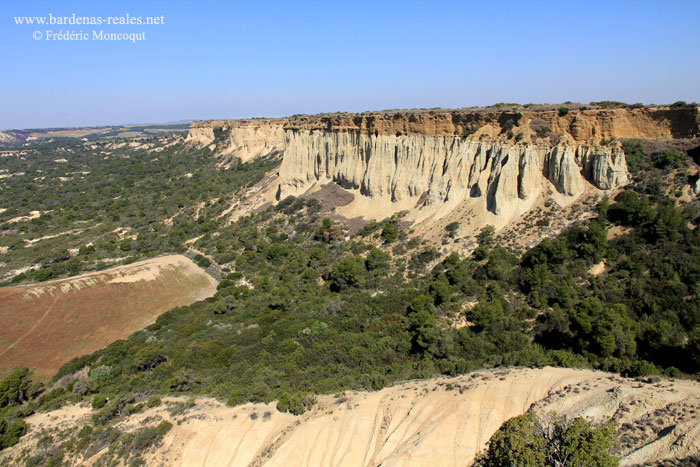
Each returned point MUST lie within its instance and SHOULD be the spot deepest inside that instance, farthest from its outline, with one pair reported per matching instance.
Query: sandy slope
(47, 324)
(442, 421)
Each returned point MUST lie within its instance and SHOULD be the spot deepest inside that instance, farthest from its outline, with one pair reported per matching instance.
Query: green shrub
(98, 401)
(532, 441)
(370, 227)
(634, 154)
(390, 233)
(10, 432)
(669, 158)
(452, 229)
(153, 401)
(296, 403)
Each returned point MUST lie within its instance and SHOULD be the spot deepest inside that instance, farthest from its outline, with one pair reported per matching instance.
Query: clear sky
(231, 59)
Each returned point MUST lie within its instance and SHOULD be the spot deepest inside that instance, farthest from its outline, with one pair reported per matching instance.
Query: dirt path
(34, 326)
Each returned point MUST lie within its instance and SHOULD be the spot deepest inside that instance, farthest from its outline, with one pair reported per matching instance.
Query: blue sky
(248, 59)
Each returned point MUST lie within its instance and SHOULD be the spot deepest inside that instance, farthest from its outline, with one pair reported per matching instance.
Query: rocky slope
(478, 166)
(443, 421)
(11, 137)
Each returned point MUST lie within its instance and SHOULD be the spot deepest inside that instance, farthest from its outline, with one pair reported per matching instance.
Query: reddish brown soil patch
(46, 325)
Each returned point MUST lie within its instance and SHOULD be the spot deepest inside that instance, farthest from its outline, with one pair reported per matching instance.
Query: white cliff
(244, 139)
(478, 166)
(436, 173)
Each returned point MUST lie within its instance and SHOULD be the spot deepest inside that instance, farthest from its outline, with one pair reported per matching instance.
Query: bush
(202, 261)
(452, 229)
(540, 127)
(486, 236)
(531, 440)
(153, 401)
(125, 245)
(669, 158)
(296, 403)
(563, 111)
(10, 432)
(390, 233)
(98, 401)
(370, 227)
(634, 154)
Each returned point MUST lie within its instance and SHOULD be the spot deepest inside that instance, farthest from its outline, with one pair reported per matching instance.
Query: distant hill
(33, 135)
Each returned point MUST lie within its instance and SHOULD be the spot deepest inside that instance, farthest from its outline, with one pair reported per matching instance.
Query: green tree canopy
(531, 440)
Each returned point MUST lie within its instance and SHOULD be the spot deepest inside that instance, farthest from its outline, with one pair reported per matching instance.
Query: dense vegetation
(15, 390)
(108, 200)
(306, 314)
(303, 310)
(19, 398)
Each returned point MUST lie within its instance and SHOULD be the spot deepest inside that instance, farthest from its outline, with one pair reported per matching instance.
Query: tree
(16, 388)
(390, 233)
(604, 330)
(423, 326)
(515, 443)
(486, 312)
(11, 431)
(452, 229)
(440, 290)
(634, 154)
(550, 440)
(486, 236)
(669, 158)
(349, 272)
(377, 259)
(125, 245)
(694, 344)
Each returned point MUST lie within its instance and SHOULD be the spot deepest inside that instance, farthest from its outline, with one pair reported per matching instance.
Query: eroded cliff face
(492, 167)
(441, 421)
(435, 172)
(244, 139)
(576, 126)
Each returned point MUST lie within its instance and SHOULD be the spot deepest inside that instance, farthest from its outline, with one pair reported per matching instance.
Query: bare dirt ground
(45, 325)
(441, 421)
